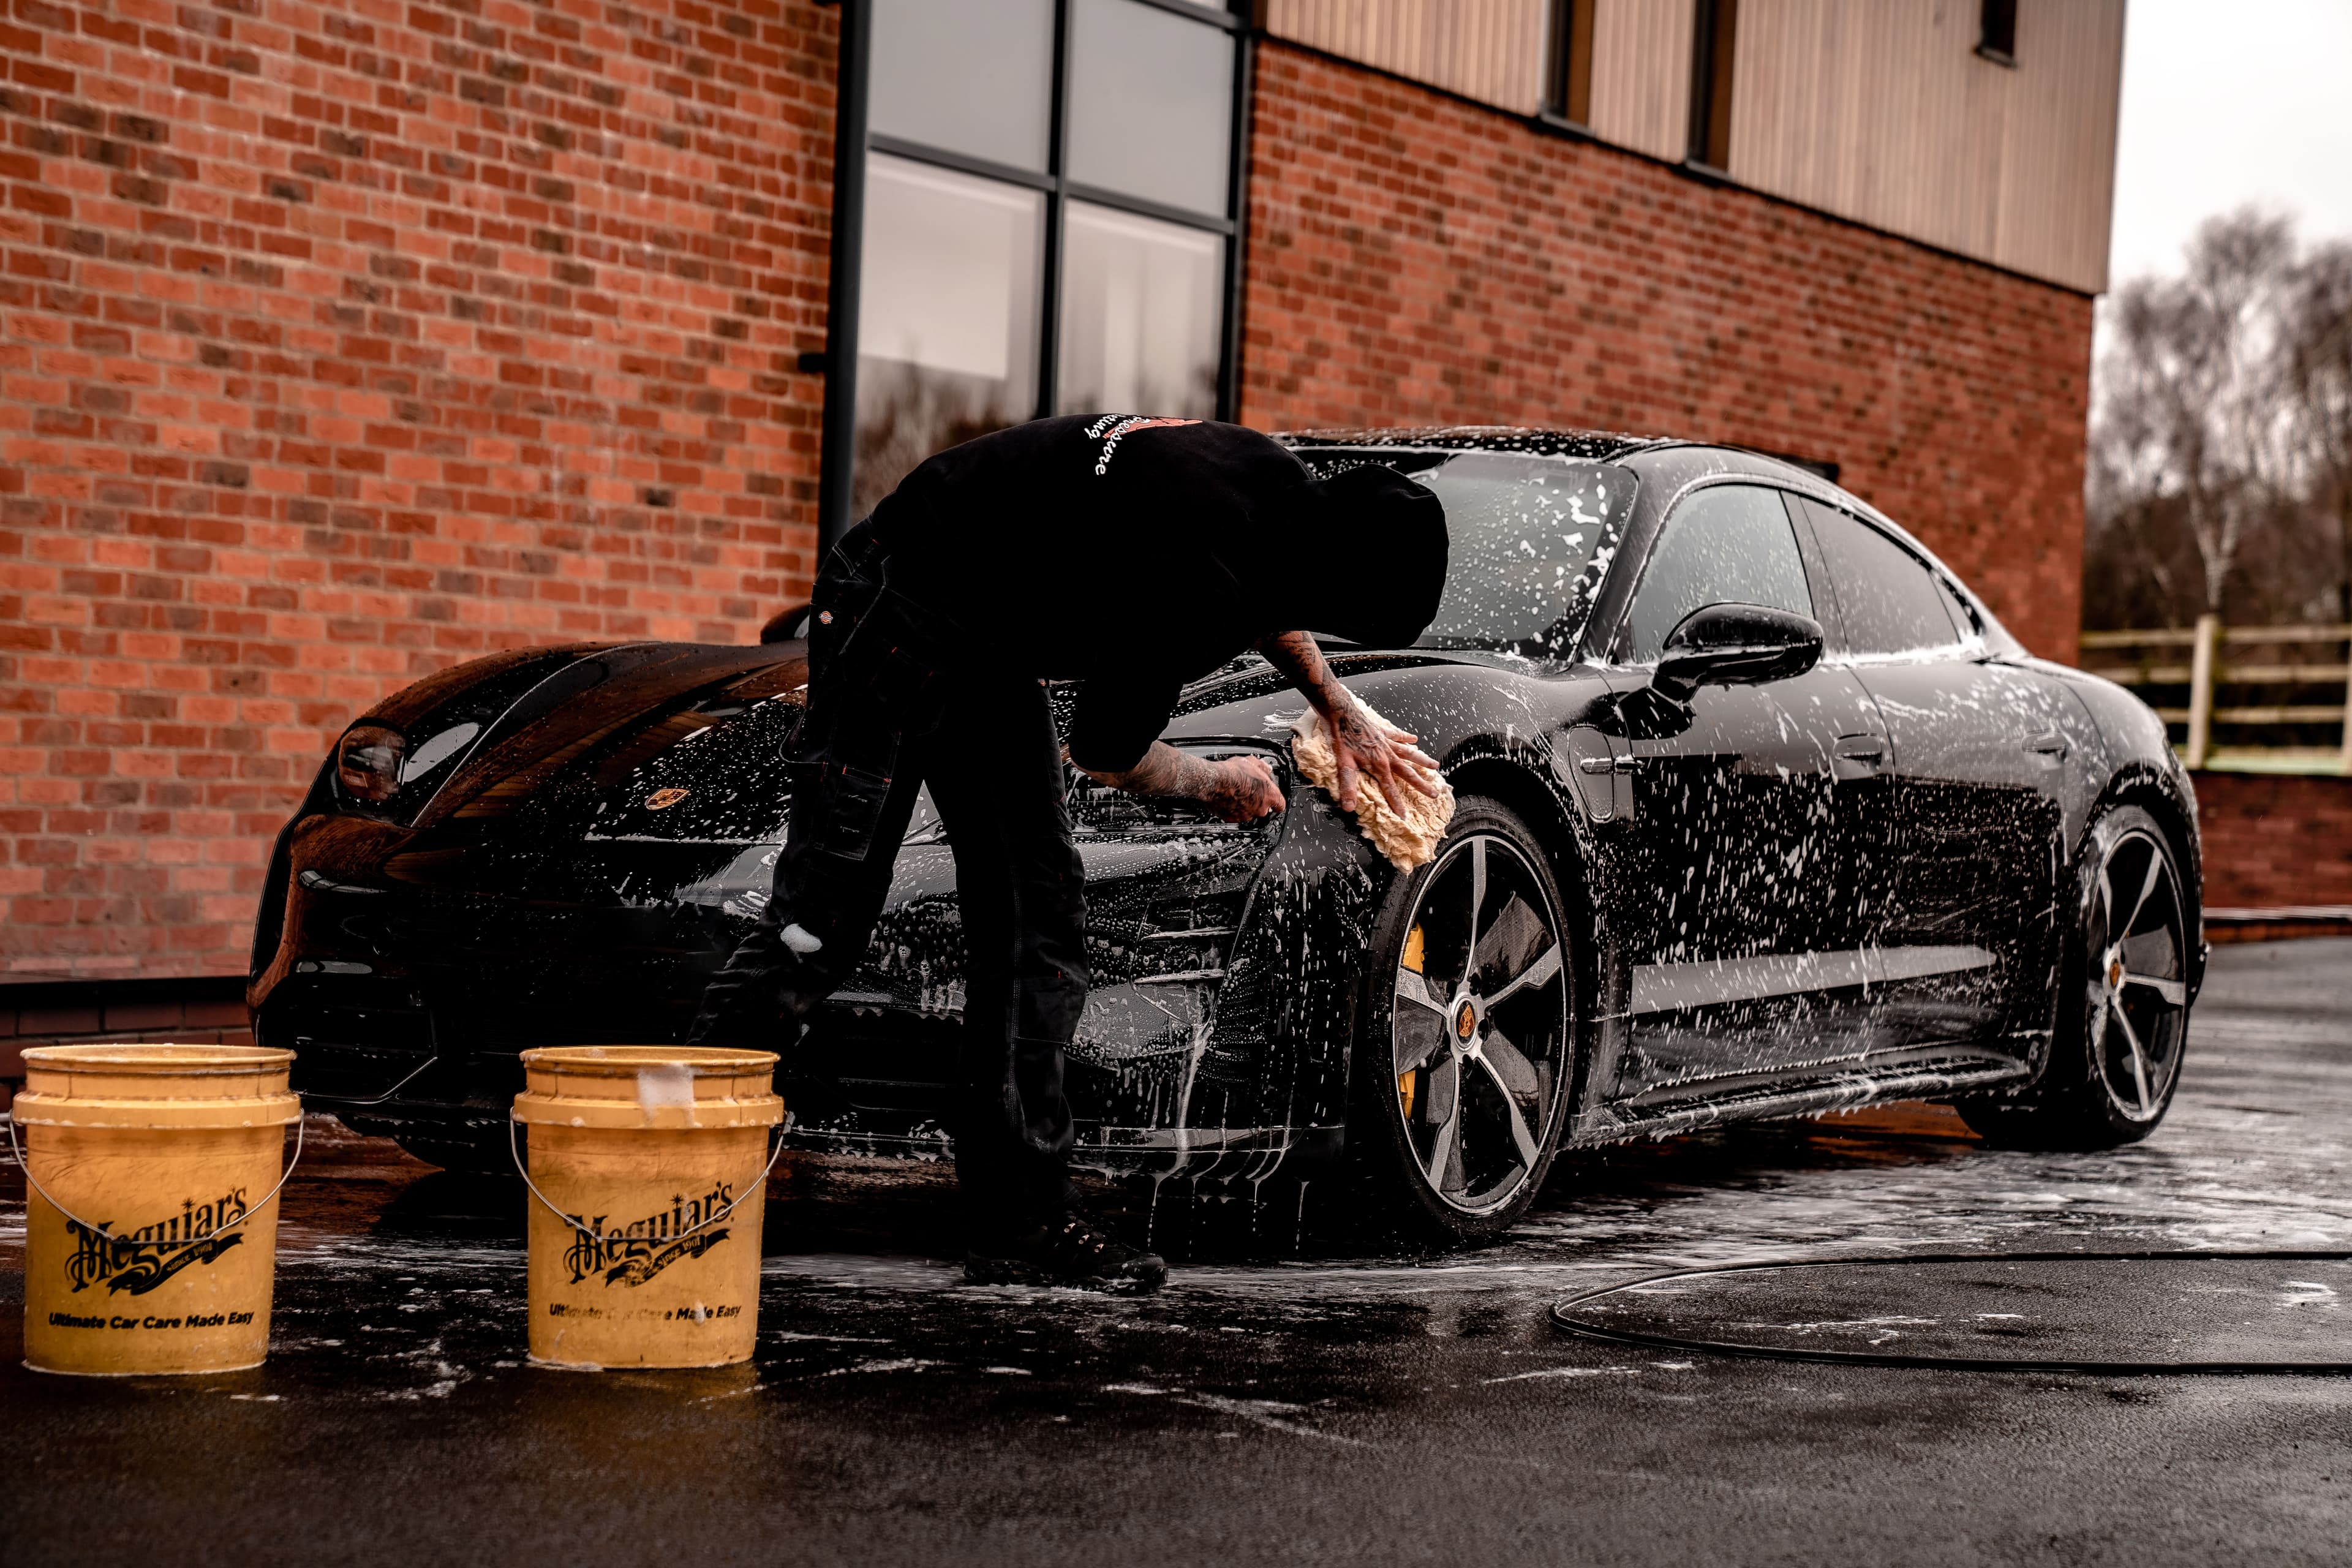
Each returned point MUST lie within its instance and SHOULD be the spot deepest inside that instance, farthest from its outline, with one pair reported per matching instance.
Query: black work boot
(1072, 1251)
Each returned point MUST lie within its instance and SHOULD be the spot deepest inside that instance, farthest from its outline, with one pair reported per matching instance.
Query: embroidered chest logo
(1112, 428)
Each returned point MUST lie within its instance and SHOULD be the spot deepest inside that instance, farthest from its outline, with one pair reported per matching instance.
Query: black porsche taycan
(1761, 814)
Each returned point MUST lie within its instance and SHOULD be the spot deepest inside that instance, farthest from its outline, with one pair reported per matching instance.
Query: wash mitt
(1409, 840)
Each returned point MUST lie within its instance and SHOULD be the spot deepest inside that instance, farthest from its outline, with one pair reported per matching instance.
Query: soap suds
(1409, 840)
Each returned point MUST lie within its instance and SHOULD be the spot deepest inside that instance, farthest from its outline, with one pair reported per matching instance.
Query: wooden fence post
(2344, 767)
(2201, 690)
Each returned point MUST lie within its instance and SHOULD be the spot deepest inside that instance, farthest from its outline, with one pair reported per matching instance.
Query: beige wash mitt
(1409, 840)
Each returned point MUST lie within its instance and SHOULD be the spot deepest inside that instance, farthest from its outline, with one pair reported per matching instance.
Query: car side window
(1727, 544)
(1964, 619)
(1887, 597)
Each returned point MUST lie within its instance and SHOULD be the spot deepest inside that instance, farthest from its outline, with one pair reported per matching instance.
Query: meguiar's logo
(140, 1261)
(642, 1248)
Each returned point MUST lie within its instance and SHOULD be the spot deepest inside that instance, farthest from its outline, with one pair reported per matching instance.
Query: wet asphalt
(1336, 1409)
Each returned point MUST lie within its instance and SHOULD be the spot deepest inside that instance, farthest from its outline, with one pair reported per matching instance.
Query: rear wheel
(1465, 1062)
(453, 1146)
(2123, 1019)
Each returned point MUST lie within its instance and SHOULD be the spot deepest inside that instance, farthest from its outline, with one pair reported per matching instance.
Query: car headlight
(367, 762)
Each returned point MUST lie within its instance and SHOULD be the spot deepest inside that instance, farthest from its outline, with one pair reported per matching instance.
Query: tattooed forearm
(1164, 773)
(1359, 741)
(1238, 789)
(1296, 655)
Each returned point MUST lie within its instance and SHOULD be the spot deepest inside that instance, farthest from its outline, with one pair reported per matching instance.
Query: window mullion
(1229, 340)
(963, 163)
(837, 435)
(1049, 319)
(1144, 207)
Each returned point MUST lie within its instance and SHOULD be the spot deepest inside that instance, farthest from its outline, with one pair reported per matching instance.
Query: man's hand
(1243, 789)
(1361, 747)
(1238, 789)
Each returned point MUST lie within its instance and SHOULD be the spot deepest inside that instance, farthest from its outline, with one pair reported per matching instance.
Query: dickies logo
(1112, 428)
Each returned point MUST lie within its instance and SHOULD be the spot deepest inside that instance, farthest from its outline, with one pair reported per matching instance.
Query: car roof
(1586, 446)
(1610, 447)
(1592, 445)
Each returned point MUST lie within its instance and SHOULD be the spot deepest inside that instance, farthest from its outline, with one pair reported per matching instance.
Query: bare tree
(906, 413)
(2193, 408)
(2319, 343)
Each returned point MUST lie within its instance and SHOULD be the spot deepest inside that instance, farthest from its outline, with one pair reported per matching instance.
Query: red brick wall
(2272, 842)
(341, 341)
(1416, 260)
(74, 1012)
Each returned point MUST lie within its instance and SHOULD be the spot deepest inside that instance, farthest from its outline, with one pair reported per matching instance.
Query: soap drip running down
(1409, 840)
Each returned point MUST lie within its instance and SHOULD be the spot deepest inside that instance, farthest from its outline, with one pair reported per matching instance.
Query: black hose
(1561, 1318)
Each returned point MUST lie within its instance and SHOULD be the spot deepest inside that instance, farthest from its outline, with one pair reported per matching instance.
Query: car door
(1978, 745)
(1735, 875)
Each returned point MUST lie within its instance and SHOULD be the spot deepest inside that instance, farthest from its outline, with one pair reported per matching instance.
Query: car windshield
(1530, 539)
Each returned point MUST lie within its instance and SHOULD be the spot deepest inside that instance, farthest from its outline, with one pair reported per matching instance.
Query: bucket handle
(775, 1152)
(98, 1230)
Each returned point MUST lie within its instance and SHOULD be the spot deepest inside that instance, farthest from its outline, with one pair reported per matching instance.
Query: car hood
(701, 728)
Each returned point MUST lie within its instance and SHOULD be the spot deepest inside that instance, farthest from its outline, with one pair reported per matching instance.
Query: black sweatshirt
(1129, 553)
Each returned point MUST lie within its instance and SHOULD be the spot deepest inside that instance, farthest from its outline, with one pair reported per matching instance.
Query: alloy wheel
(2136, 977)
(1480, 1028)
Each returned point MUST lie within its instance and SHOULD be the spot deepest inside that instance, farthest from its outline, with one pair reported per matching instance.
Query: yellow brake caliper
(1408, 1082)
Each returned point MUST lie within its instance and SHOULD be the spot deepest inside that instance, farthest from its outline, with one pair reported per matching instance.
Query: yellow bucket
(152, 1177)
(649, 1165)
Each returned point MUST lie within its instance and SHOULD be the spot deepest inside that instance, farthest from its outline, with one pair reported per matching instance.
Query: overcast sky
(2226, 103)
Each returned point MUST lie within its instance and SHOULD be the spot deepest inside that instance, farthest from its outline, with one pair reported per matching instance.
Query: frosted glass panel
(1151, 104)
(972, 76)
(948, 290)
(1141, 315)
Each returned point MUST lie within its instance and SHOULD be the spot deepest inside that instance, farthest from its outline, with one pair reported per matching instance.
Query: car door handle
(2054, 747)
(1857, 757)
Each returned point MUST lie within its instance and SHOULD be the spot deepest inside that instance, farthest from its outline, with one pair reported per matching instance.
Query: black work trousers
(889, 709)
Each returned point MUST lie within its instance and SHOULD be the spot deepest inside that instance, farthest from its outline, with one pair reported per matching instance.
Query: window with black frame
(1049, 218)
(1714, 49)
(1567, 83)
(1997, 31)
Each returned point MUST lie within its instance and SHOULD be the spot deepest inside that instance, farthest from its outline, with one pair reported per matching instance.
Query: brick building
(343, 341)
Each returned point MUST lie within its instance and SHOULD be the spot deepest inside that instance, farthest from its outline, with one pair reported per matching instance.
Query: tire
(1431, 1129)
(456, 1149)
(2122, 1023)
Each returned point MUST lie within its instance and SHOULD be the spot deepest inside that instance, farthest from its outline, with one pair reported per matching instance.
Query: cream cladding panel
(1881, 111)
(1492, 50)
(1878, 111)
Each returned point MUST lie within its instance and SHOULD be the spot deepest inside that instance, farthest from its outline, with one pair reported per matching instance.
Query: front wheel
(1467, 1055)
(2123, 1013)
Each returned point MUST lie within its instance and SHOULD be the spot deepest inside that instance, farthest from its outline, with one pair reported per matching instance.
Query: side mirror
(1735, 645)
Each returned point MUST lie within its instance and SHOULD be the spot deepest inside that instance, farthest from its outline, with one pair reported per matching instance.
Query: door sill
(1684, 1107)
